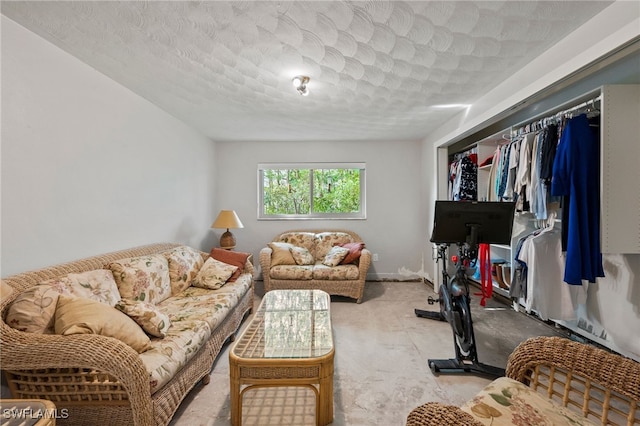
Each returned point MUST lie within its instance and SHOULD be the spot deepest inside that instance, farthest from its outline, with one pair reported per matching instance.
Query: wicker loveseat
(550, 381)
(94, 379)
(344, 279)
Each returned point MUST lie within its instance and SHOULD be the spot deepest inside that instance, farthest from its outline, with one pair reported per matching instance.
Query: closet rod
(573, 104)
(467, 151)
(539, 123)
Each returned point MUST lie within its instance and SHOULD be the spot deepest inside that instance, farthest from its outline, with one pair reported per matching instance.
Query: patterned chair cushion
(325, 241)
(144, 278)
(337, 273)
(291, 272)
(300, 239)
(508, 402)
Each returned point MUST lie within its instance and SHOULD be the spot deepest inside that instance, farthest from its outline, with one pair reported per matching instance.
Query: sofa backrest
(326, 240)
(318, 242)
(299, 239)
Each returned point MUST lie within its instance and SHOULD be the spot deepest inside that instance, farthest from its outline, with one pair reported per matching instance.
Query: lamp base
(227, 241)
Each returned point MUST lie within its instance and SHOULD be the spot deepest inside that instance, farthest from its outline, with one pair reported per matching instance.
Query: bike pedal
(432, 301)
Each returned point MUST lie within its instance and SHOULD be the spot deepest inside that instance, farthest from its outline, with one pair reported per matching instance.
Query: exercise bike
(466, 223)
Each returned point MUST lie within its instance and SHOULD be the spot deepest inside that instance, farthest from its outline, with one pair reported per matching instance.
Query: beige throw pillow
(302, 256)
(335, 256)
(214, 274)
(146, 315)
(281, 254)
(76, 315)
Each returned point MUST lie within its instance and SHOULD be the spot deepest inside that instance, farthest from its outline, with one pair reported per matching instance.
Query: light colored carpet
(381, 370)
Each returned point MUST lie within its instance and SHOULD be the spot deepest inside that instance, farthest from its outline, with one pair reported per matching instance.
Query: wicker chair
(353, 288)
(603, 387)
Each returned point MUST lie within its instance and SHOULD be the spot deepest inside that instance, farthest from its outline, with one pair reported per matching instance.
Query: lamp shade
(227, 219)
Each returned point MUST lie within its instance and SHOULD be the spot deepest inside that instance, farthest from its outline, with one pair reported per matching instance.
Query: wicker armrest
(265, 263)
(41, 355)
(364, 262)
(437, 414)
(248, 266)
(600, 384)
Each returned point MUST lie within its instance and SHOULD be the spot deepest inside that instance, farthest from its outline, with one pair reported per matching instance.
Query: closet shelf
(501, 246)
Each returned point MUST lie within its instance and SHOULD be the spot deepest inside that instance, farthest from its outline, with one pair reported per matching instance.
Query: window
(311, 191)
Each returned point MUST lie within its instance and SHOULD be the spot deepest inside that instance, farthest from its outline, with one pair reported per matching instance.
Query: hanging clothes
(546, 294)
(463, 174)
(469, 178)
(523, 175)
(548, 152)
(576, 175)
(514, 157)
(493, 172)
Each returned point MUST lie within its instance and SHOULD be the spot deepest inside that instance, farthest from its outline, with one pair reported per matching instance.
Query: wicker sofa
(549, 380)
(345, 279)
(101, 380)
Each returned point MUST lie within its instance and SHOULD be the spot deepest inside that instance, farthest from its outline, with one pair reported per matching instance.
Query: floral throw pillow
(302, 256)
(146, 315)
(184, 264)
(335, 256)
(214, 274)
(144, 278)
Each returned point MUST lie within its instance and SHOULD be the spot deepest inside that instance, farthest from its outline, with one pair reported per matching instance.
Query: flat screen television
(454, 221)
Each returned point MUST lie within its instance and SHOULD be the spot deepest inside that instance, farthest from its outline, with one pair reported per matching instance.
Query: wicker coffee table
(287, 343)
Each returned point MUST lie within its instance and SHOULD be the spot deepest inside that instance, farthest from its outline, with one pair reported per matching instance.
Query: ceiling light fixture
(300, 83)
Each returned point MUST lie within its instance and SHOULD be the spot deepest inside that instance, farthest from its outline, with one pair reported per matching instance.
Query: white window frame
(360, 215)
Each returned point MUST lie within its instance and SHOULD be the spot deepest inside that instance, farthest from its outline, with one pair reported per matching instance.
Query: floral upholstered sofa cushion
(508, 402)
(194, 314)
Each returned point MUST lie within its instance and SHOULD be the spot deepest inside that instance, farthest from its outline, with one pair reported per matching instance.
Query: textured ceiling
(379, 69)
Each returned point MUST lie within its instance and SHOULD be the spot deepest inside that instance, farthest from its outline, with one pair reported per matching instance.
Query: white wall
(394, 227)
(88, 166)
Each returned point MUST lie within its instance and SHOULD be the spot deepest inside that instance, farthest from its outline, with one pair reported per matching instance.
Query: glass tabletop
(288, 324)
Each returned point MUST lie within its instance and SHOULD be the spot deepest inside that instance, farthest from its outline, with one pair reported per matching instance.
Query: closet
(604, 310)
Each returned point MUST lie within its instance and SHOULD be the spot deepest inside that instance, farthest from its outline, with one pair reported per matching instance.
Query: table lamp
(227, 219)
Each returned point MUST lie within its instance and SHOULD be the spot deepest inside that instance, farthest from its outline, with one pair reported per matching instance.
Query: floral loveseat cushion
(508, 402)
(320, 246)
